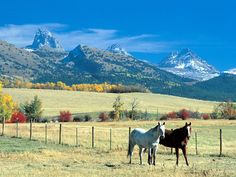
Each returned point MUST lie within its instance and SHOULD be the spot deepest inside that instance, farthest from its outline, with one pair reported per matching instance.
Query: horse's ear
(163, 123)
(158, 123)
(189, 124)
(186, 124)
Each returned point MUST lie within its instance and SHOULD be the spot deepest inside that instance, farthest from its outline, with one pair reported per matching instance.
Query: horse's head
(188, 129)
(161, 130)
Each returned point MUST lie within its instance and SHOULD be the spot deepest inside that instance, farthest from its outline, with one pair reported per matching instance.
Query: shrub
(103, 116)
(184, 114)
(32, 110)
(205, 116)
(18, 117)
(195, 114)
(224, 110)
(171, 115)
(41, 120)
(164, 117)
(65, 116)
(87, 118)
(78, 118)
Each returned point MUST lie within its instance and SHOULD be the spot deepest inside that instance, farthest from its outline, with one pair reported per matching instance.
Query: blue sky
(148, 29)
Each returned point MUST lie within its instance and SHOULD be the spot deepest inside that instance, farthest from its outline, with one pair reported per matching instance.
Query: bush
(87, 118)
(171, 115)
(205, 116)
(65, 116)
(18, 117)
(225, 110)
(184, 114)
(41, 120)
(32, 110)
(195, 114)
(78, 118)
(164, 117)
(103, 116)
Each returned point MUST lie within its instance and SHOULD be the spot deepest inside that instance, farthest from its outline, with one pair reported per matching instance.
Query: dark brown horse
(177, 138)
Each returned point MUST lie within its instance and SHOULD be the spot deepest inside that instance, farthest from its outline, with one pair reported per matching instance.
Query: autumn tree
(7, 106)
(118, 108)
(134, 106)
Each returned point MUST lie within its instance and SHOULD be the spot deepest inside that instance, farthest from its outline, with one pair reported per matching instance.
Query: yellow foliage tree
(7, 106)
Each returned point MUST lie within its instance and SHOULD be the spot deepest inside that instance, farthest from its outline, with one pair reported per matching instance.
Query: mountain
(45, 45)
(189, 65)
(104, 66)
(220, 88)
(45, 39)
(91, 65)
(231, 71)
(19, 63)
(116, 48)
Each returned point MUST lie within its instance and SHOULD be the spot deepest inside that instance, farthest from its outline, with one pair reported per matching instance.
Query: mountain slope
(187, 64)
(16, 62)
(104, 66)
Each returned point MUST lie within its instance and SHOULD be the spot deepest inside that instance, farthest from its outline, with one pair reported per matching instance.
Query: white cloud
(22, 35)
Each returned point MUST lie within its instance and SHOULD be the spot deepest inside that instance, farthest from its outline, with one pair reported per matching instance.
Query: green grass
(89, 102)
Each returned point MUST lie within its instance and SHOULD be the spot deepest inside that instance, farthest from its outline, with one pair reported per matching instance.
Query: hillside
(104, 66)
(20, 63)
(80, 102)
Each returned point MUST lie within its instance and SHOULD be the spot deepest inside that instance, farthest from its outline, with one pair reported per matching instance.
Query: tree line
(103, 87)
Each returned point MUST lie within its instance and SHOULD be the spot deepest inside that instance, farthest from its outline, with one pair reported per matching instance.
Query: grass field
(21, 157)
(87, 102)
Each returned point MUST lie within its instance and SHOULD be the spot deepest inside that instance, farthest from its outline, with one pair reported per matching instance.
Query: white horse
(146, 139)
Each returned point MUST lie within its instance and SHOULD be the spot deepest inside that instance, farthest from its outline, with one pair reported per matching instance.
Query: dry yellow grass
(80, 102)
(55, 160)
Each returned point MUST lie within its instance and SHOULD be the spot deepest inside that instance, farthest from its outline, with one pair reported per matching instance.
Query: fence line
(101, 137)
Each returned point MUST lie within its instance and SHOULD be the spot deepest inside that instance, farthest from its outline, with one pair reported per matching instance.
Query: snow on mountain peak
(188, 64)
(231, 71)
(116, 48)
(44, 39)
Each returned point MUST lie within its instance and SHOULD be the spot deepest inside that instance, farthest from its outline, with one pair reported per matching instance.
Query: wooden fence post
(92, 137)
(30, 129)
(157, 114)
(46, 133)
(110, 137)
(17, 129)
(3, 125)
(60, 134)
(220, 142)
(77, 137)
(196, 143)
(171, 150)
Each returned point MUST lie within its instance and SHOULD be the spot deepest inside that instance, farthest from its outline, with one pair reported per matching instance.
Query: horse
(146, 139)
(177, 138)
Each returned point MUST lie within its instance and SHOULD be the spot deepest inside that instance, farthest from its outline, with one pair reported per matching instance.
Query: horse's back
(138, 132)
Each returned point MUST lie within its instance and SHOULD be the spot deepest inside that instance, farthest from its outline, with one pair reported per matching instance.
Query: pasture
(89, 102)
(21, 157)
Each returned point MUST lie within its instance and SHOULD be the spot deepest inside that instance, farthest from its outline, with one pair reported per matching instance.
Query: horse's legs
(149, 156)
(154, 154)
(140, 154)
(177, 155)
(185, 155)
